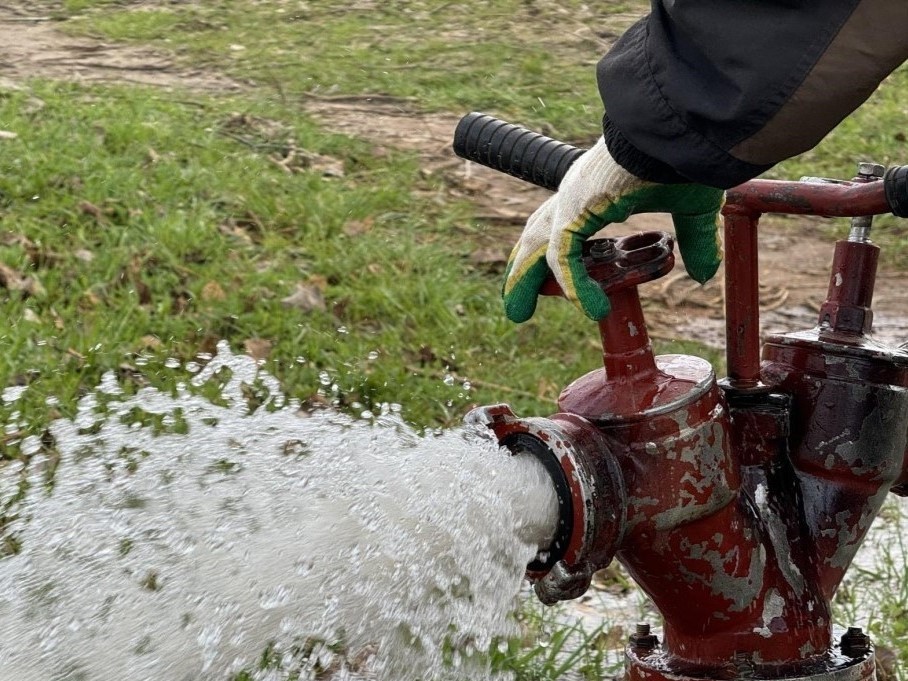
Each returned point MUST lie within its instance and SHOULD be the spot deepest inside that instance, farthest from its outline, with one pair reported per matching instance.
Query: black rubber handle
(544, 161)
(895, 182)
(514, 150)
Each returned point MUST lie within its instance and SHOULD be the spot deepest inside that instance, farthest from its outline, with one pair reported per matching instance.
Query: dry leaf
(258, 348)
(212, 291)
(357, 227)
(149, 342)
(11, 280)
(489, 256)
(90, 209)
(307, 296)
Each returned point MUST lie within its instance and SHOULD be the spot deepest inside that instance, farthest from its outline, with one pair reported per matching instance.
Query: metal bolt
(869, 169)
(604, 250)
(855, 643)
(642, 639)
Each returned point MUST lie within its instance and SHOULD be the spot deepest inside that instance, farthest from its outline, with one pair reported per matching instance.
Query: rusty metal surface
(850, 294)
(738, 505)
(831, 199)
(838, 664)
(742, 301)
(624, 262)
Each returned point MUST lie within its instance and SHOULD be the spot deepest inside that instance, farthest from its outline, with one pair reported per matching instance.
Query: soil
(794, 254)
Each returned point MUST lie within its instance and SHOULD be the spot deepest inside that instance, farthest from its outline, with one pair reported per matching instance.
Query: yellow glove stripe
(518, 272)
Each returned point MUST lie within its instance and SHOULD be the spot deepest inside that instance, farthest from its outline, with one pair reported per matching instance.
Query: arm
(717, 92)
(703, 95)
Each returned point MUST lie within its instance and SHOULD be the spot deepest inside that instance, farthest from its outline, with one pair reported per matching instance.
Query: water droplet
(13, 393)
(171, 363)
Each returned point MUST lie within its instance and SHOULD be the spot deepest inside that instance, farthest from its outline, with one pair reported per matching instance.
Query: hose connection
(591, 496)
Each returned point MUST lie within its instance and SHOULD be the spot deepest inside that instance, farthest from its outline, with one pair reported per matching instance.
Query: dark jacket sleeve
(718, 91)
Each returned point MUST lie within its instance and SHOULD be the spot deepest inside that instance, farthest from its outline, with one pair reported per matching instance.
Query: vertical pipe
(626, 350)
(742, 297)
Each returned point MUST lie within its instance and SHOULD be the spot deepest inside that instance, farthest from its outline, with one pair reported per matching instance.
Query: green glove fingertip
(520, 301)
(698, 242)
(586, 293)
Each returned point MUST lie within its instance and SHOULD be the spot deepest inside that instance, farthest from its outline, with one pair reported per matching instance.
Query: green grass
(882, 591)
(498, 56)
(157, 227)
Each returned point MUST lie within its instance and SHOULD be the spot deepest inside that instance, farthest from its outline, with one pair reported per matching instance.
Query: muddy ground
(794, 256)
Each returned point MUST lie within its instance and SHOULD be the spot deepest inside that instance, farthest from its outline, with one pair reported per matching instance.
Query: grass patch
(501, 57)
(143, 228)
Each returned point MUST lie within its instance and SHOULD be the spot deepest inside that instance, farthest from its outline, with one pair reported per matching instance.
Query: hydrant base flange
(655, 664)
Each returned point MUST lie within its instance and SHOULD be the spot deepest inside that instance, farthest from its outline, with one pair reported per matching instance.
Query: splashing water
(188, 538)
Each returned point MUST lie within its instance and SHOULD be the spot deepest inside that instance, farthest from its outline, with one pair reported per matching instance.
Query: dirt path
(794, 257)
(31, 47)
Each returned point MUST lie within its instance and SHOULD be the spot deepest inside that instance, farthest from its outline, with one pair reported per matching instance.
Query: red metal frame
(737, 507)
(743, 208)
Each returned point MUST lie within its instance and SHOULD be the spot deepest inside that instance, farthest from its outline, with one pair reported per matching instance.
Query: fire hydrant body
(737, 506)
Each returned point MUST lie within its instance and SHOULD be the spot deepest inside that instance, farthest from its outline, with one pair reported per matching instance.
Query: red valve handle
(622, 263)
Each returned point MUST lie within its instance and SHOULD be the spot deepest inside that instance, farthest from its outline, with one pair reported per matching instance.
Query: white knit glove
(595, 192)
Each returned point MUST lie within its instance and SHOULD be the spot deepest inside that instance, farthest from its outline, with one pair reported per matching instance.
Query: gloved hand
(595, 192)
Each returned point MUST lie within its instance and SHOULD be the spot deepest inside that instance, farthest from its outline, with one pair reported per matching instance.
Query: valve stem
(860, 226)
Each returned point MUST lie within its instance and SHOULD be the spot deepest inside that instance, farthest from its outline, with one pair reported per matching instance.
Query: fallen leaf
(8, 135)
(307, 296)
(149, 342)
(258, 348)
(247, 227)
(29, 315)
(11, 280)
(357, 227)
(90, 209)
(489, 256)
(212, 291)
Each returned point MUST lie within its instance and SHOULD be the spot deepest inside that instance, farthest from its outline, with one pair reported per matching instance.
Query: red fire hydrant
(736, 505)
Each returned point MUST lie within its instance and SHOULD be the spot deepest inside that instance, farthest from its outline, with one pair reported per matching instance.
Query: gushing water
(222, 537)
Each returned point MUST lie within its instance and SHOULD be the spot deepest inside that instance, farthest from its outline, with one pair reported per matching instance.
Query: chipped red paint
(828, 198)
(736, 505)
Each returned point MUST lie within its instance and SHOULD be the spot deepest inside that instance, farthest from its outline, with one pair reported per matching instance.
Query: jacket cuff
(635, 161)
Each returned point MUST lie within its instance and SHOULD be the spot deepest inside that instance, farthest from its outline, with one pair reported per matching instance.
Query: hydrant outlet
(590, 488)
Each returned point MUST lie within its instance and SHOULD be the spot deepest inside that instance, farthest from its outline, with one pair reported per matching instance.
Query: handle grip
(543, 161)
(514, 150)
(895, 182)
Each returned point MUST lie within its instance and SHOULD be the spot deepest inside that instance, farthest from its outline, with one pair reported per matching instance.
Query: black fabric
(688, 82)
